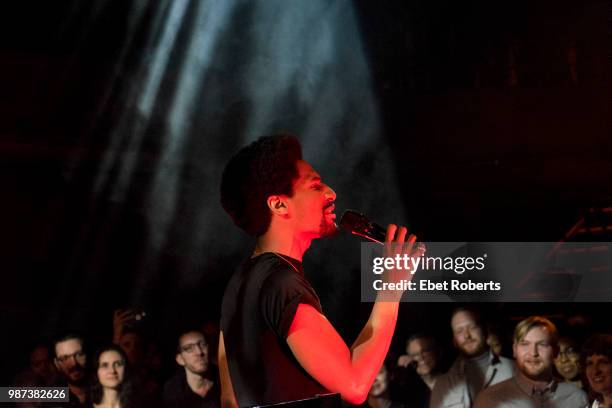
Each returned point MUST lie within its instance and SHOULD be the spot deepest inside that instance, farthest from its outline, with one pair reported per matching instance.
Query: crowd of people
(128, 372)
(545, 368)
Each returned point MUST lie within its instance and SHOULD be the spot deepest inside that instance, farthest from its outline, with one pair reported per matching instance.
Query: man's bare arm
(325, 356)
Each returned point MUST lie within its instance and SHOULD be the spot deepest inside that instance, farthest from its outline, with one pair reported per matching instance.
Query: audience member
(423, 355)
(533, 385)
(494, 340)
(71, 361)
(126, 336)
(194, 385)
(475, 369)
(379, 395)
(567, 361)
(597, 361)
(113, 387)
(41, 372)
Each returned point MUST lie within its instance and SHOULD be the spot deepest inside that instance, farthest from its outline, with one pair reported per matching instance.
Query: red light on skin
(323, 354)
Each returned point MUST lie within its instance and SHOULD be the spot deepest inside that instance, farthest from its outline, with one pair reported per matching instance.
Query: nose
(535, 350)
(330, 194)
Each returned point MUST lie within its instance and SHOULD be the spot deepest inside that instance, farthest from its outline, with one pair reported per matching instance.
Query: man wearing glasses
(71, 360)
(193, 386)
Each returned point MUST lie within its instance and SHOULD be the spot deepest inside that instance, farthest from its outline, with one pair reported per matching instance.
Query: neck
(607, 401)
(194, 380)
(198, 383)
(540, 382)
(284, 241)
(110, 397)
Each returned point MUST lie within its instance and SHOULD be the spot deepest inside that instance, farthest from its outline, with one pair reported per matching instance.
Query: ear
(278, 205)
(180, 360)
(514, 349)
(56, 363)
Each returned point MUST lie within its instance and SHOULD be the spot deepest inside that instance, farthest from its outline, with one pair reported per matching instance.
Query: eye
(317, 187)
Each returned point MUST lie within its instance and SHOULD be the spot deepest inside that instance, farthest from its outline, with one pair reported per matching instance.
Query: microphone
(358, 224)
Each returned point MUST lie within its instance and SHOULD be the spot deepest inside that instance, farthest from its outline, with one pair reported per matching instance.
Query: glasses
(79, 355)
(191, 347)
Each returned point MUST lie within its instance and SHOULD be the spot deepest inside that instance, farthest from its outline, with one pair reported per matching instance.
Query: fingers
(391, 228)
(398, 234)
(123, 315)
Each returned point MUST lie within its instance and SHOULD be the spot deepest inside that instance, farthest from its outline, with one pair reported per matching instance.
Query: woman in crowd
(597, 361)
(567, 361)
(113, 387)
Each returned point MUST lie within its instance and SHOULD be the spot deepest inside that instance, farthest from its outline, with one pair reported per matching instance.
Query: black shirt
(178, 394)
(258, 308)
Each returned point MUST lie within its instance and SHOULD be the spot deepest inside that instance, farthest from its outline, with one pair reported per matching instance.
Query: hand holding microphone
(398, 245)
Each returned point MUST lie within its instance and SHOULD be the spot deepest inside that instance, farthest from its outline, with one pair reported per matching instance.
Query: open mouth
(329, 211)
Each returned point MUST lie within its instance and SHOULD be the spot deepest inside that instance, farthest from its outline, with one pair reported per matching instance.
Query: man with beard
(533, 385)
(275, 344)
(475, 369)
(71, 361)
(194, 385)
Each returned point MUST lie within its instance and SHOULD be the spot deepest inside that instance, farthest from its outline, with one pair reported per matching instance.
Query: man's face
(534, 354)
(70, 360)
(193, 352)
(422, 352)
(468, 336)
(312, 204)
(567, 360)
(599, 373)
(381, 383)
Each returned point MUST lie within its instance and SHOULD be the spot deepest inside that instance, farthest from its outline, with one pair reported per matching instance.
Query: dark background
(460, 119)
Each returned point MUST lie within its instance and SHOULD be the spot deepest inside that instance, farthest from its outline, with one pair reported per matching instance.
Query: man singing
(275, 343)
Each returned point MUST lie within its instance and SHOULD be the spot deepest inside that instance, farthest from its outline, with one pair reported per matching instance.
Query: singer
(275, 343)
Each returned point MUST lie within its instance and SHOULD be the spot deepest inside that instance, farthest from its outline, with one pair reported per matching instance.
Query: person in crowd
(596, 359)
(476, 367)
(71, 362)
(424, 356)
(534, 346)
(271, 317)
(41, 372)
(494, 340)
(113, 386)
(194, 385)
(128, 337)
(129, 334)
(380, 394)
(567, 361)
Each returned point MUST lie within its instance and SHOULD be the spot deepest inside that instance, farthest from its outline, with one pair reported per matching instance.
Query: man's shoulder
(174, 385)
